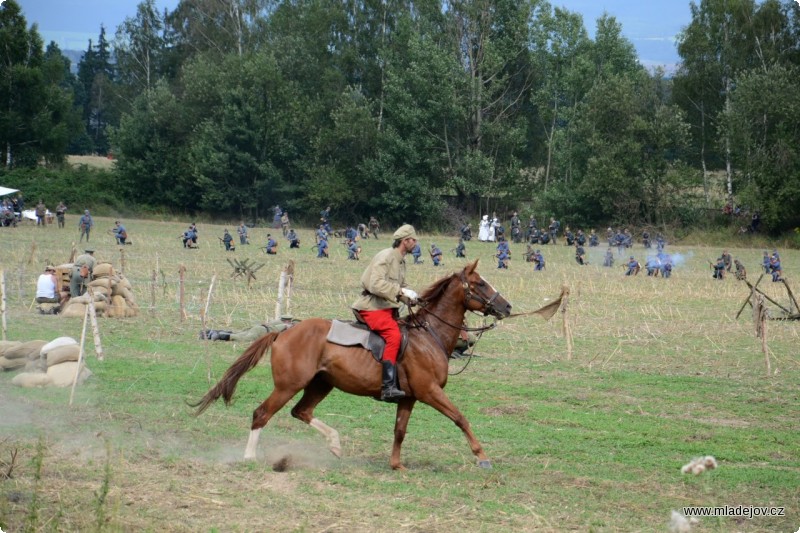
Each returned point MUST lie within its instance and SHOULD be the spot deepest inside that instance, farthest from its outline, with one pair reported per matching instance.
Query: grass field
(661, 373)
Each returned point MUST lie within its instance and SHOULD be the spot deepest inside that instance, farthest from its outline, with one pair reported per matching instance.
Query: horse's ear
(470, 268)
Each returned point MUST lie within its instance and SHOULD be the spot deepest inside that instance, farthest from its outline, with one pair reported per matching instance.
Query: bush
(79, 187)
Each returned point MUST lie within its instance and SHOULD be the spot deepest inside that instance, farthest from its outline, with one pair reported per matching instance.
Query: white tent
(6, 191)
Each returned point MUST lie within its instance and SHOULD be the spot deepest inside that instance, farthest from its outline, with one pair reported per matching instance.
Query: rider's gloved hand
(408, 296)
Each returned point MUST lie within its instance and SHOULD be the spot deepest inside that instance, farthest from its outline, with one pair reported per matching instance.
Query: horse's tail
(246, 362)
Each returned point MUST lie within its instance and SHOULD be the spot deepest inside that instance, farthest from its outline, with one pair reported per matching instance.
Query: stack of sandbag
(123, 303)
(112, 294)
(16, 355)
(54, 366)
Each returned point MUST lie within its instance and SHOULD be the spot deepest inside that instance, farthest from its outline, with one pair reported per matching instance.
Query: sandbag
(103, 270)
(82, 299)
(131, 311)
(5, 345)
(48, 308)
(74, 310)
(102, 282)
(100, 307)
(117, 307)
(57, 342)
(63, 354)
(38, 366)
(32, 379)
(62, 375)
(23, 350)
(127, 294)
(12, 364)
(101, 293)
(125, 282)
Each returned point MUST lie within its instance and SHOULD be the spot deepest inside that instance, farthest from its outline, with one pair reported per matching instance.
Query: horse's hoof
(485, 464)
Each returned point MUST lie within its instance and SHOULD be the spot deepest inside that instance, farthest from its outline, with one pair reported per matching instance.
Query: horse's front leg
(437, 399)
(404, 408)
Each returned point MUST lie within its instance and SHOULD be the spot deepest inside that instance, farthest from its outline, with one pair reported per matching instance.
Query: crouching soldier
(633, 267)
(741, 272)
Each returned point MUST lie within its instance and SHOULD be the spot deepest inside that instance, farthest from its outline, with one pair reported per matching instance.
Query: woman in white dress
(483, 231)
(493, 223)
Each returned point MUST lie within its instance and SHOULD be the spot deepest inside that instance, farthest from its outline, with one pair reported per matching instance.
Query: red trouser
(383, 323)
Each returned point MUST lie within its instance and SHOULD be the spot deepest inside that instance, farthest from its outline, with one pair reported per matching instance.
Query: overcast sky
(650, 26)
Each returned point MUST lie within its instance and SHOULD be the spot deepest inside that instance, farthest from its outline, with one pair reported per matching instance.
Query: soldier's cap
(89, 250)
(49, 268)
(287, 317)
(86, 211)
(406, 231)
(632, 257)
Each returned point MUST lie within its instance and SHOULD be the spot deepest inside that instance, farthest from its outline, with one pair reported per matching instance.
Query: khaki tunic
(384, 277)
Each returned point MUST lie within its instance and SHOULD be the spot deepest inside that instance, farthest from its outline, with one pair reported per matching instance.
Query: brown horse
(302, 359)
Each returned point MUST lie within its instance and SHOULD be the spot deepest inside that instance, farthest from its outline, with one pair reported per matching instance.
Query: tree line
(412, 109)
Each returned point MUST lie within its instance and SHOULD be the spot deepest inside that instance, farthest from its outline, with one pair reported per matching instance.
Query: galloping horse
(302, 359)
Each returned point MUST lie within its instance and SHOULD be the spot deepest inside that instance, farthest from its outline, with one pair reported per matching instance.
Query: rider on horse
(384, 287)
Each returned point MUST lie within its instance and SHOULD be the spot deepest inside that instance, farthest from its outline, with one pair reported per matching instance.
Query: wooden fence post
(3, 301)
(565, 327)
(80, 354)
(153, 280)
(181, 302)
(98, 347)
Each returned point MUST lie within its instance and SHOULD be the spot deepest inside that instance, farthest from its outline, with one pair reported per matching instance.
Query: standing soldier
(466, 232)
(374, 226)
(41, 213)
(553, 229)
(516, 231)
(242, 231)
(61, 210)
(85, 224)
(594, 240)
(726, 258)
(285, 223)
(608, 260)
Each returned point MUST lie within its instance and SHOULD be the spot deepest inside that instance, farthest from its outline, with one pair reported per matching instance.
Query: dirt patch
(505, 410)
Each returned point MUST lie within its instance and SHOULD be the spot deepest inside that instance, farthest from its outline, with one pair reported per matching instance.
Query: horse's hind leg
(437, 399)
(263, 414)
(315, 392)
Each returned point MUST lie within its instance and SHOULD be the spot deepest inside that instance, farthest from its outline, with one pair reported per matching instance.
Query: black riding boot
(389, 390)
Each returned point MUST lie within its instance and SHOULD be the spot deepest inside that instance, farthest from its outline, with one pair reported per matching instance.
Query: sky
(651, 26)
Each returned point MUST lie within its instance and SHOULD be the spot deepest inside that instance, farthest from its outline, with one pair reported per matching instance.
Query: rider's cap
(406, 231)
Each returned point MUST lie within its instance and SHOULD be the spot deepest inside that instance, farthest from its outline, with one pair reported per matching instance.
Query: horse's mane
(435, 291)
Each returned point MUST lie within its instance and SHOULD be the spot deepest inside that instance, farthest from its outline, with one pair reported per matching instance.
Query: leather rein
(468, 295)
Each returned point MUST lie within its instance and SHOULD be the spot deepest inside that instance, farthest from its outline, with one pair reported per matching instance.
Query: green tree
(763, 124)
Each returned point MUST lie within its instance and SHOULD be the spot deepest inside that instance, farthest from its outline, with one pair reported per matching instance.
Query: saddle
(354, 333)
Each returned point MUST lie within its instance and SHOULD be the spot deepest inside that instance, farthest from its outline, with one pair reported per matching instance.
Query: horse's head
(480, 296)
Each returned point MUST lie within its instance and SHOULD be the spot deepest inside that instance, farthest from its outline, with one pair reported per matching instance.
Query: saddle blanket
(348, 334)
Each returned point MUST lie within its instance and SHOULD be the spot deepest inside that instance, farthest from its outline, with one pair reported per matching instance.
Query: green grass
(661, 373)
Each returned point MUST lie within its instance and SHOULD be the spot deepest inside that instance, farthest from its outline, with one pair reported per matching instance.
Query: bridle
(488, 305)
(469, 295)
